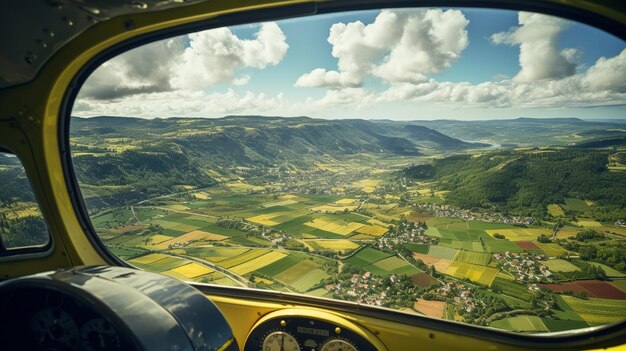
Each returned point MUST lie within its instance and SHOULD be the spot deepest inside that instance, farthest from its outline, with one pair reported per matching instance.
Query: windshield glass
(463, 164)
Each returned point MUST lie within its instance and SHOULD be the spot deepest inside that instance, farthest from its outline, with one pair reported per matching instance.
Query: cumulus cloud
(540, 57)
(213, 56)
(603, 84)
(196, 61)
(399, 46)
(142, 70)
(607, 74)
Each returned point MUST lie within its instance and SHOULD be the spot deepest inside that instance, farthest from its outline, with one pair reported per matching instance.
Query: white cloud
(399, 46)
(212, 57)
(141, 70)
(607, 74)
(537, 37)
(182, 103)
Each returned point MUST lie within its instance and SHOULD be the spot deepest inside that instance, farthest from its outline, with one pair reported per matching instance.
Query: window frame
(604, 336)
(33, 251)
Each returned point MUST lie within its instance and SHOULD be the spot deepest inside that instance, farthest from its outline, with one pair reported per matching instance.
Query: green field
(575, 204)
(478, 258)
(366, 256)
(556, 325)
(442, 252)
(295, 272)
(279, 266)
(161, 265)
(597, 311)
(239, 259)
(610, 272)
(558, 265)
(309, 280)
(511, 288)
(215, 254)
(392, 265)
(521, 324)
(418, 248)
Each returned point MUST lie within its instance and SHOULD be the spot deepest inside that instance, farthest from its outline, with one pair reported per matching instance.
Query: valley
(524, 238)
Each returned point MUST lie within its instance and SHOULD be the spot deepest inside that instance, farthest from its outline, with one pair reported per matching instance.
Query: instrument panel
(96, 308)
(53, 321)
(304, 330)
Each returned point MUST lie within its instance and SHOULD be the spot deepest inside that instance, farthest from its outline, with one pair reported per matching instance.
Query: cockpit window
(21, 223)
(463, 164)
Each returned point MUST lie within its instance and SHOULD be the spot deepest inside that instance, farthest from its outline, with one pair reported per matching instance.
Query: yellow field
(280, 203)
(189, 187)
(191, 236)
(244, 186)
(589, 223)
(373, 230)
(22, 212)
(361, 237)
(377, 222)
(308, 236)
(425, 192)
(192, 270)
(441, 192)
(332, 209)
(147, 259)
(264, 219)
(185, 227)
(338, 189)
(288, 197)
(262, 280)
(258, 262)
(334, 227)
(178, 207)
(200, 196)
(551, 249)
(392, 197)
(368, 189)
(614, 230)
(328, 167)
(521, 233)
(479, 274)
(345, 201)
(555, 210)
(337, 245)
(159, 238)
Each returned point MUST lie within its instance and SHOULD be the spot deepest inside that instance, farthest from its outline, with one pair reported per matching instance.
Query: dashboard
(96, 308)
(301, 329)
(108, 308)
(52, 320)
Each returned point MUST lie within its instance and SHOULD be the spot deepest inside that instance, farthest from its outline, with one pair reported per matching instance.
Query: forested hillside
(525, 182)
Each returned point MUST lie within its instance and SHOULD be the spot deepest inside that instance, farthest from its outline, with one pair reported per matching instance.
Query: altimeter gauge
(53, 327)
(338, 345)
(280, 341)
(98, 334)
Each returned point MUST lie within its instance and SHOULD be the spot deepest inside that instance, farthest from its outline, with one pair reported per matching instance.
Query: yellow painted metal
(36, 107)
(326, 316)
(244, 315)
(29, 126)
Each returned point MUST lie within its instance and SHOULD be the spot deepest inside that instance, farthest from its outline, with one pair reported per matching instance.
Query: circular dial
(98, 334)
(280, 341)
(53, 327)
(338, 345)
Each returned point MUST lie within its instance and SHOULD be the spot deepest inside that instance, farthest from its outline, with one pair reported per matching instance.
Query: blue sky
(473, 80)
